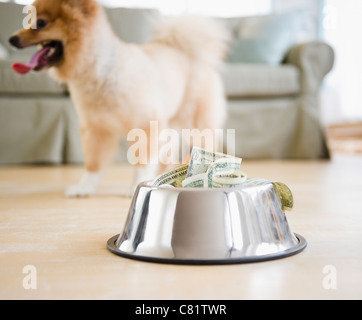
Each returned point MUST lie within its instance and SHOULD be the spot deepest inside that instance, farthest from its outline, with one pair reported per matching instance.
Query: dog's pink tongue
(22, 68)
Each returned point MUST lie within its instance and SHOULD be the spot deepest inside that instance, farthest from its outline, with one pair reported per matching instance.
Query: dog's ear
(80, 2)
(87, 7)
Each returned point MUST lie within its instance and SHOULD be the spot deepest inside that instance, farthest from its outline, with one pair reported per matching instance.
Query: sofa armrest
(314, 59)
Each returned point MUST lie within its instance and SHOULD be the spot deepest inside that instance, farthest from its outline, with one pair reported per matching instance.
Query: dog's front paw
(80, 191)
(86, 187)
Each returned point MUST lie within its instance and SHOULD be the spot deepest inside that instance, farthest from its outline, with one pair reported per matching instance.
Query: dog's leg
(98, 146)
(150, 163)
(87, 186)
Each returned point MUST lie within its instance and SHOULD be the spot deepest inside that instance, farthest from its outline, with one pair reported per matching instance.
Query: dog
(117, 86)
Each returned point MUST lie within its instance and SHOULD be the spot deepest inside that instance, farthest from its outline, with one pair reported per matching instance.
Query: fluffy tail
(205, 40)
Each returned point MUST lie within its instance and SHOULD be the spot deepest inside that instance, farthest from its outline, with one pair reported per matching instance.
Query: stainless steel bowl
(206, 226)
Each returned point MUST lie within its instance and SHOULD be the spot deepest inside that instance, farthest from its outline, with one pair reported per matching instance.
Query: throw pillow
(266, 39)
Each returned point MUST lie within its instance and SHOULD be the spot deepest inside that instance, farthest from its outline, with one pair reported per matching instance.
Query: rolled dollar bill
(237, 179)
(231, 179)
(204, 179)
(217, 170)
(196, 181)
(285, 195)
(281, 189)
(221, 165)
(173, 177)
(253, 182)
(201, 159)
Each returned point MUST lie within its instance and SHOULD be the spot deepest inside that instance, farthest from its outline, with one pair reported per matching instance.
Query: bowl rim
(148, 184)
(302, 244)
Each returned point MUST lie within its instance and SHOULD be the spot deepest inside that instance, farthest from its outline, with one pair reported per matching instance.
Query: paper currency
(281, 189)
(232, 179)
(217, 170)
(173, 177)
(285, 195)
(220, 165)
(205, 180)
(196, 181)
(201, 160)
(204, 165)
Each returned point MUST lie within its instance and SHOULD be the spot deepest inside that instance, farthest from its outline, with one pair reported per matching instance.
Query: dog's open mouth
(50, 53)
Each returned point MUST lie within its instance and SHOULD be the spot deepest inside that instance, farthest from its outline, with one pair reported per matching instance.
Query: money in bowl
(208, 212)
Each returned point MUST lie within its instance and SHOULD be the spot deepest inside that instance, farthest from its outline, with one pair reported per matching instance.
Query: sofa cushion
(33, 82)
(248, 80)
(39, 129)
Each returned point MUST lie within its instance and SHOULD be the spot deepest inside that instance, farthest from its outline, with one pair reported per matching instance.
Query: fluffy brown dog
(116, 86)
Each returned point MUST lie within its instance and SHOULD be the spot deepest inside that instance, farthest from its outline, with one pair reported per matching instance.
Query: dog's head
(59, 29)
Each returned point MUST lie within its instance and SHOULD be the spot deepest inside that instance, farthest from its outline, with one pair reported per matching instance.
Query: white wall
(343, 27)
(339, 23)
(314, 8)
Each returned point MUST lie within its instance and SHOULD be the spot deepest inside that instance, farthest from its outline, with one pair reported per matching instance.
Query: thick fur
(116, 86)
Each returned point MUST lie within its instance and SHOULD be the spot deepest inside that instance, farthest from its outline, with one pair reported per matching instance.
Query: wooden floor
(65, 240)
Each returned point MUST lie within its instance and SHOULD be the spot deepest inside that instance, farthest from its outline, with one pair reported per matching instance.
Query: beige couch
(273, 108)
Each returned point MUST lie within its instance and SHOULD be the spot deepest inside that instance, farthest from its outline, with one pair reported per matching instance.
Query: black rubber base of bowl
(289, 252)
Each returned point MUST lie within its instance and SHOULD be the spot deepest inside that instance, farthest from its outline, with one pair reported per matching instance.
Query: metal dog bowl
(206, 226)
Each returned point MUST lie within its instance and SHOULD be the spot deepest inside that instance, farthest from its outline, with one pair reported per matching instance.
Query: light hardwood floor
(65, 239)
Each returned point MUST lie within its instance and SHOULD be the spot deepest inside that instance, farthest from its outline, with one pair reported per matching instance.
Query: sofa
(272, 105)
